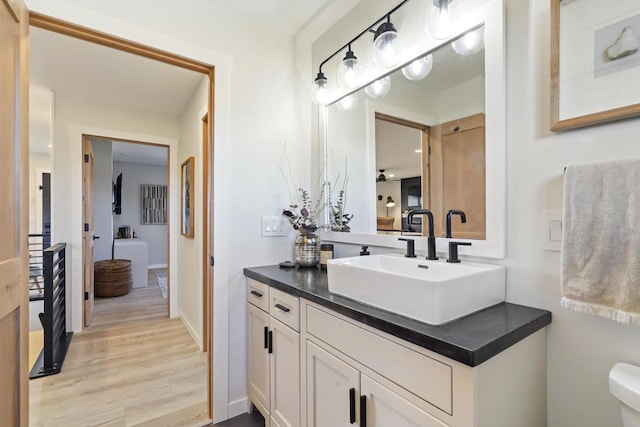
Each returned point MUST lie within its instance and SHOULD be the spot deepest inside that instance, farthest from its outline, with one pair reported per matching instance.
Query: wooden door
(14, 160)
(329, 385)
(87, 233)
(385, 408)
(463, 175)
(258, 358)
(285, 375)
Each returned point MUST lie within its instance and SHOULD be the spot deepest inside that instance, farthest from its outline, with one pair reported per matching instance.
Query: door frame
(218, 406)
(169, 201)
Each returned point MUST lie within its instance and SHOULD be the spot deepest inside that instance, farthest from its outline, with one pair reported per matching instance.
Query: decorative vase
(307, 250)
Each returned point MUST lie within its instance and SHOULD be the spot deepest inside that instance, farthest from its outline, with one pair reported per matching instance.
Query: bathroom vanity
(317, 359)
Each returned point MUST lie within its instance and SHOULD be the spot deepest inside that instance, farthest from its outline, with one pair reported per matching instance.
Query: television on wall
(117, 195)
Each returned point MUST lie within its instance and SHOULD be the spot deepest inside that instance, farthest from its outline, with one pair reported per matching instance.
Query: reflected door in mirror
(458, 179)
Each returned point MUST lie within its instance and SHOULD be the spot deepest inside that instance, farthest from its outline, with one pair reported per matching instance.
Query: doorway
(402, 150)
(174, 60)
(131, 207)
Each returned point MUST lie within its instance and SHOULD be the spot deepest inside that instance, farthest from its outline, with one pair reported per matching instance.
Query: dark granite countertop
(470, 340)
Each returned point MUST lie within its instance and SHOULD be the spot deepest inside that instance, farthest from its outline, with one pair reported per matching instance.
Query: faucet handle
(411, 248)
(364, 250)
(453, 251)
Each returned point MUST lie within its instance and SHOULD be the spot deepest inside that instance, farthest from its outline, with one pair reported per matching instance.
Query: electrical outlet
(273, 226)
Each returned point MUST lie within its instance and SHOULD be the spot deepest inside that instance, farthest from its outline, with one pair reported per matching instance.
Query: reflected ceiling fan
(383, 178)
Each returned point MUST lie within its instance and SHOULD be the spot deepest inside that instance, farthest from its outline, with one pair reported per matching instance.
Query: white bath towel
(601, 239)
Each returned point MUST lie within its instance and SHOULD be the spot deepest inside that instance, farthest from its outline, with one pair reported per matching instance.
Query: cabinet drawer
(427, 378)
(285, 308)
(258, 294)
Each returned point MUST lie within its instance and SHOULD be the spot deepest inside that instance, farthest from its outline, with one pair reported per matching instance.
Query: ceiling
(138, 153)
(83, 72)
(396, 147)
(86, 71)
(283, 16)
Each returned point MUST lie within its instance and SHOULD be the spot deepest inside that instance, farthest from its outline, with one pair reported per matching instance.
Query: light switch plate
(551, 224)
(273, 226)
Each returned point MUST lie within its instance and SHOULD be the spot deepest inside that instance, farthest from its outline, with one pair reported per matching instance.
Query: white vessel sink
(434, 292)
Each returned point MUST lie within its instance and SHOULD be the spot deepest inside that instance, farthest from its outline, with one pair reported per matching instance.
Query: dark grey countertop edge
(468, 356)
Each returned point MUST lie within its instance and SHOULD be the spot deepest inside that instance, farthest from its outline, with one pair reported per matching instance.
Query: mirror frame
(496, 149)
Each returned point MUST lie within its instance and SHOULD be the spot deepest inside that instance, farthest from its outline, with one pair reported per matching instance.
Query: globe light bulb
(349, 71)
(348, 103)
(469, 44)
(386, 46)
(379, 87)
(440, 18)
(418, 69)
(319, 92)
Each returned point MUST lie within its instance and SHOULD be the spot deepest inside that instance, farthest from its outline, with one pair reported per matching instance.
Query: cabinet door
(285, 375)
(258, 358)
(384, 408)
(329, 381)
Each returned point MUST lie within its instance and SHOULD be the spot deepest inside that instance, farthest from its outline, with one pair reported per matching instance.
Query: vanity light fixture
(386, 47)
(440, 18)
(418, 69)
(379, 87)
(469, 44)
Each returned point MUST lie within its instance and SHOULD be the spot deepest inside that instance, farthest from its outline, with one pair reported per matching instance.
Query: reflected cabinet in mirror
(435, 142)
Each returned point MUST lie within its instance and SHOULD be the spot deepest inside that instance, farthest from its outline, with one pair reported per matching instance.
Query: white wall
(581, 348)
(38, 162)
(190, 248)
(156, 235)
(256, 111)
(41, 102)
(102, 199)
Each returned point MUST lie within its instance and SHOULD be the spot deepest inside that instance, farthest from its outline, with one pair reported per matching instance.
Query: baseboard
(238, 407)
(152, 266)
(191, 331)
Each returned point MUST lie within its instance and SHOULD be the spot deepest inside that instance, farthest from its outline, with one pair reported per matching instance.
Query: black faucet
(452, 212)
(411, 249)
(453, 251)
(364, 250)
(431, 238)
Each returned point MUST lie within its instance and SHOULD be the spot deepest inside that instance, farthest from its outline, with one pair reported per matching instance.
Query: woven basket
(112, 277)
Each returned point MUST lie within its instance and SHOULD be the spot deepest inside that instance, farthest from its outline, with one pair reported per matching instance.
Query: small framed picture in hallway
(186, 185)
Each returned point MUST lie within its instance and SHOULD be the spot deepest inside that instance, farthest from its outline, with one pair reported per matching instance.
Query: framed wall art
(187, 195)
(154, 204)
(595, 62)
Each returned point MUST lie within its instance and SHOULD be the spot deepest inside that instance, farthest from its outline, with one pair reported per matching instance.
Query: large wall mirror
(436, 143)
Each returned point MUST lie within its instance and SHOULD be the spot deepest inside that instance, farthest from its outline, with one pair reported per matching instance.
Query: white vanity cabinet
(338, 394)
(273, 354)
(396, 383)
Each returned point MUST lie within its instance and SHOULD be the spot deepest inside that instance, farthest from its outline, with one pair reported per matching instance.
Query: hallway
(133, 367)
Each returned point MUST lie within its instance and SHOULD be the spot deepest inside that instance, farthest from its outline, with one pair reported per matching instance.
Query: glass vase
(307, 250)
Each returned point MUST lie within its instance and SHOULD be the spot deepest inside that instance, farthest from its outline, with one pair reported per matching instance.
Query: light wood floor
(132, 367)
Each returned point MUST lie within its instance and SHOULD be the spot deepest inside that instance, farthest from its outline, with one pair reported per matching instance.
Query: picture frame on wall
(595, 62)
(186, 197)
(154, 204)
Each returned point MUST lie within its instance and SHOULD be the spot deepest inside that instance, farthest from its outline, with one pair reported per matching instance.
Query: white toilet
(624, 384)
